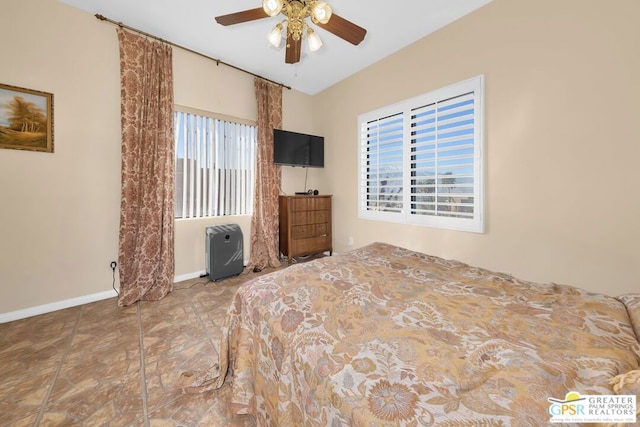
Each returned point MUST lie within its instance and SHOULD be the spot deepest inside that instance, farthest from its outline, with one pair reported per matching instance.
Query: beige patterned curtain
(264, 223)
(147, 198)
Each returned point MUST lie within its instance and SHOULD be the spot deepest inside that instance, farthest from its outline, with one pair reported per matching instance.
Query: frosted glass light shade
(272, 7)
(321, 12)
(275, 36)
(313, 40)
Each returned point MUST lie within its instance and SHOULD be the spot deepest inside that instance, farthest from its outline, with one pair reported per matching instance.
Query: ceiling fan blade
(344, 29)
(292, 54)
(244, 16)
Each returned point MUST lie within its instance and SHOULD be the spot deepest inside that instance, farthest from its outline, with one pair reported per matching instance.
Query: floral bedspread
(387, 336)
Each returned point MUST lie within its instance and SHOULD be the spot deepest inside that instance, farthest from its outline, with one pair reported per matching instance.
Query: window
(215, 166)
(420, 161)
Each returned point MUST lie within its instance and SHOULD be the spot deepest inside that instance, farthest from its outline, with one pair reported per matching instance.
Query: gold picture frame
(26, 119)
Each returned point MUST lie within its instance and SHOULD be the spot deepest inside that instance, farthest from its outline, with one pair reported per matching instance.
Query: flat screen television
(298, 149)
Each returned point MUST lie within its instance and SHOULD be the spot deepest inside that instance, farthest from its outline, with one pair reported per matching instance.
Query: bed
(383, 335)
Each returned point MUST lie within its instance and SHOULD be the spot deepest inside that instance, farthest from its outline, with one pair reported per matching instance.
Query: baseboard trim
(189, 276)
(61, 305)
(55, 306)
(196, 274)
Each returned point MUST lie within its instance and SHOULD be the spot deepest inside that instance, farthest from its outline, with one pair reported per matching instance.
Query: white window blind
(421, 159)
(215, 166)
(442, 157)
(382, 170)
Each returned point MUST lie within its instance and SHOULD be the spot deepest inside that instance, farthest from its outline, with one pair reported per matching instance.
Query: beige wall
(59, 213)
(298, 117)
(562, 139)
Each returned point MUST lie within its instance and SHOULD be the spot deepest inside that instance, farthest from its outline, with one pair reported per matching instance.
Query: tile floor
(100, 364)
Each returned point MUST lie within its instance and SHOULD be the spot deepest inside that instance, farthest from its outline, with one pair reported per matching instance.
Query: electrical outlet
(349, 241)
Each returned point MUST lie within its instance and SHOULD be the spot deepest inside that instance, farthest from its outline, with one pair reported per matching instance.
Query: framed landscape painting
(26, 119)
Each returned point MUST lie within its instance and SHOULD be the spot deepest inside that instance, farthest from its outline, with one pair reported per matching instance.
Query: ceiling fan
(295, 27)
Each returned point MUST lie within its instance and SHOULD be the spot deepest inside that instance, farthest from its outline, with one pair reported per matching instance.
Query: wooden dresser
(305, 225)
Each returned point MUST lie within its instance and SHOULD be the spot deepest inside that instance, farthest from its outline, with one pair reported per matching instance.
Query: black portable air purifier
(224, 251)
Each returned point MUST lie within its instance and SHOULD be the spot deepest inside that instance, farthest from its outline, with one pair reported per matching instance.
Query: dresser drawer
(311, 245)
(299, 204)
(319, 204)
(309, 217)
(311, 230)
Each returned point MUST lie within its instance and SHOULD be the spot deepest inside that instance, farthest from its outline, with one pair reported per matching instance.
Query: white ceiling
(190, 23)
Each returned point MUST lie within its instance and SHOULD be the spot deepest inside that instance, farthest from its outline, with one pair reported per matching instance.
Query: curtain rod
(217, 61)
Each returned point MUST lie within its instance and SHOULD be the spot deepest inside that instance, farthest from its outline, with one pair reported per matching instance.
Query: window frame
(405, 108)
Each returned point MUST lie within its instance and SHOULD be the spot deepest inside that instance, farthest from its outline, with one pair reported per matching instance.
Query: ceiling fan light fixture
(275, 35)
(294, 27)
(320, 12)
(272, 7)
(313, 40)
